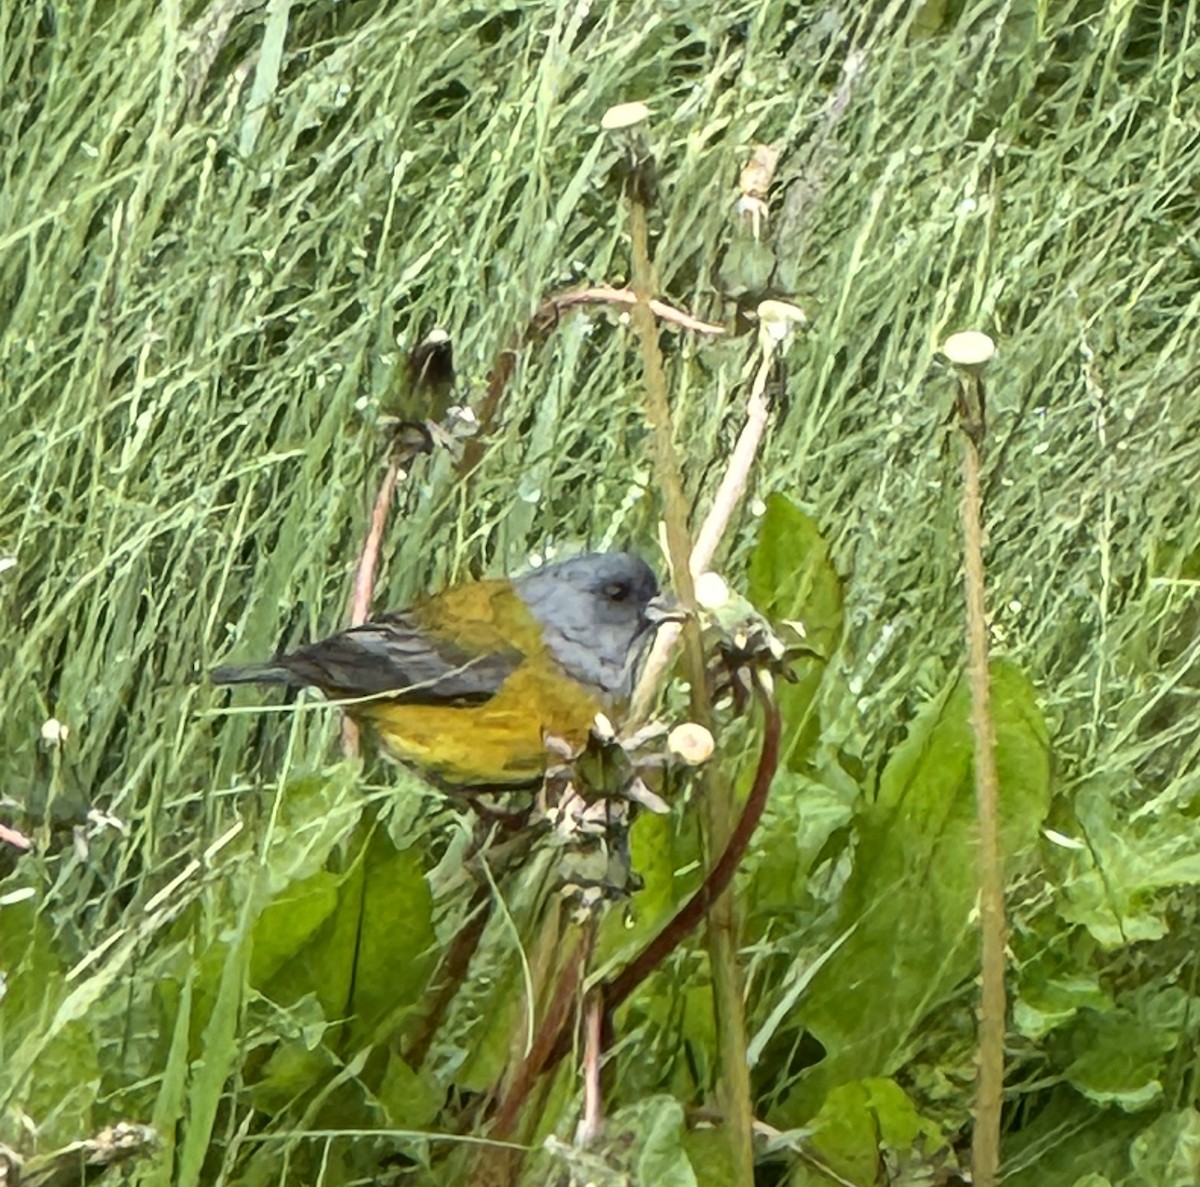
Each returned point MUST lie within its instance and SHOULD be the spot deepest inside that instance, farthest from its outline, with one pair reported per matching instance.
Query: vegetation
(222, 226)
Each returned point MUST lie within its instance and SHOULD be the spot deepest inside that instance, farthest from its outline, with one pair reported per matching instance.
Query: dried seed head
(624, 115)
(691, 743)
(711, 591)
(778, 319)
(968, 348)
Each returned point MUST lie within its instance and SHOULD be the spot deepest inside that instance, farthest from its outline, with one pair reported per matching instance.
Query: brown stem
(539, 326)
(716, 793)
(364, 577)
(453, 972)
(546, 1042)
(985, 1142)
(593, 1051)
(717, 879)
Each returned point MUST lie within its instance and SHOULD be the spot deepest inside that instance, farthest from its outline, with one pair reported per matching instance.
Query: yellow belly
(497, 742)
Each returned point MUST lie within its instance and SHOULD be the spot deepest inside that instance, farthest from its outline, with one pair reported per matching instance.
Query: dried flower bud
(755, 178)
(776, 321)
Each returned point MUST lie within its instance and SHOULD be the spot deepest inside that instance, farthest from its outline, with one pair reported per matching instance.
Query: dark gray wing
(389, 655)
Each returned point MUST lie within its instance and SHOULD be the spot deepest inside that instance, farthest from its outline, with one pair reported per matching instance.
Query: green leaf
(747, 267)
(858, 1121)
(1044, 1004)
(1167, 1153)
(396, 943)
(293, 1069)
(1115, 886)
(289, 922)
(169, 1104)
(1121, 1055)
(1065, 1139)
(656, 1127)
(792, 578)
(412, 1100)
(220, 1051)
(314, 813)
(912, 890)
(48, 1054)
(710, 1156)
(802, 814)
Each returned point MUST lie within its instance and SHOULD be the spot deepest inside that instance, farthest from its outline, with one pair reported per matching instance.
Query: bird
(466, 685)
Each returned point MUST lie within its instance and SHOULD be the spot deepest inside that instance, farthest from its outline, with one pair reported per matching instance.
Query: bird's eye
(616, 591)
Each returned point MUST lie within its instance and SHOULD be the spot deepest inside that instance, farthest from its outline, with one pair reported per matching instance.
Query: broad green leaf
(861, 1120)
(655, 1128)
(1122, 1056)
(1044, 1004)
(48, 1054)
(289, 921)
(792, 578)
(293, 1069)
(913, 888)
(1116, 884)
(709, 1153)
(661, 847)
(412, 1099)
(396, 940)
(1068, 1141)
(802, 814)
(314, 812)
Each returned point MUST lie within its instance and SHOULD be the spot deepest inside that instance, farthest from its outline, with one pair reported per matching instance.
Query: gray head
(596, 615)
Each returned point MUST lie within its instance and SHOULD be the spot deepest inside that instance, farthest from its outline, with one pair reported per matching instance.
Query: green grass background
(219, 226)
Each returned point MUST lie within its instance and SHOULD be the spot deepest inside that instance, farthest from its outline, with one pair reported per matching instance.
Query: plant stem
(716, 793)
(718, 878)
(985, 1142)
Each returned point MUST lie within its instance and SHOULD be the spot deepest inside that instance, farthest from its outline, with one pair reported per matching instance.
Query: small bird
(467, 684)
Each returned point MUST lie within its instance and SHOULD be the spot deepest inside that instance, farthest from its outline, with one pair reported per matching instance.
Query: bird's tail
(269, 673)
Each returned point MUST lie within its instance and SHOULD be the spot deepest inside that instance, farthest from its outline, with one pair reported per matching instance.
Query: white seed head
(691, 743)
(711, 591)
(624, 115)
(968, 348)
(779, 318)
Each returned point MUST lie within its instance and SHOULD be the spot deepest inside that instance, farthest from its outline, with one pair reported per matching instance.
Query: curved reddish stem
(718, 878)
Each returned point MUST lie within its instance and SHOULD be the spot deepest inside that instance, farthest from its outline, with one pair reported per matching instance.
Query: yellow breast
(497, 742)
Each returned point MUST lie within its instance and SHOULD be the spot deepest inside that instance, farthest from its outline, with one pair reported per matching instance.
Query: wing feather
(392, 657)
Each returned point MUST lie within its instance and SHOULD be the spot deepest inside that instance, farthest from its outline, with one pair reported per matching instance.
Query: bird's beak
(663, 608)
